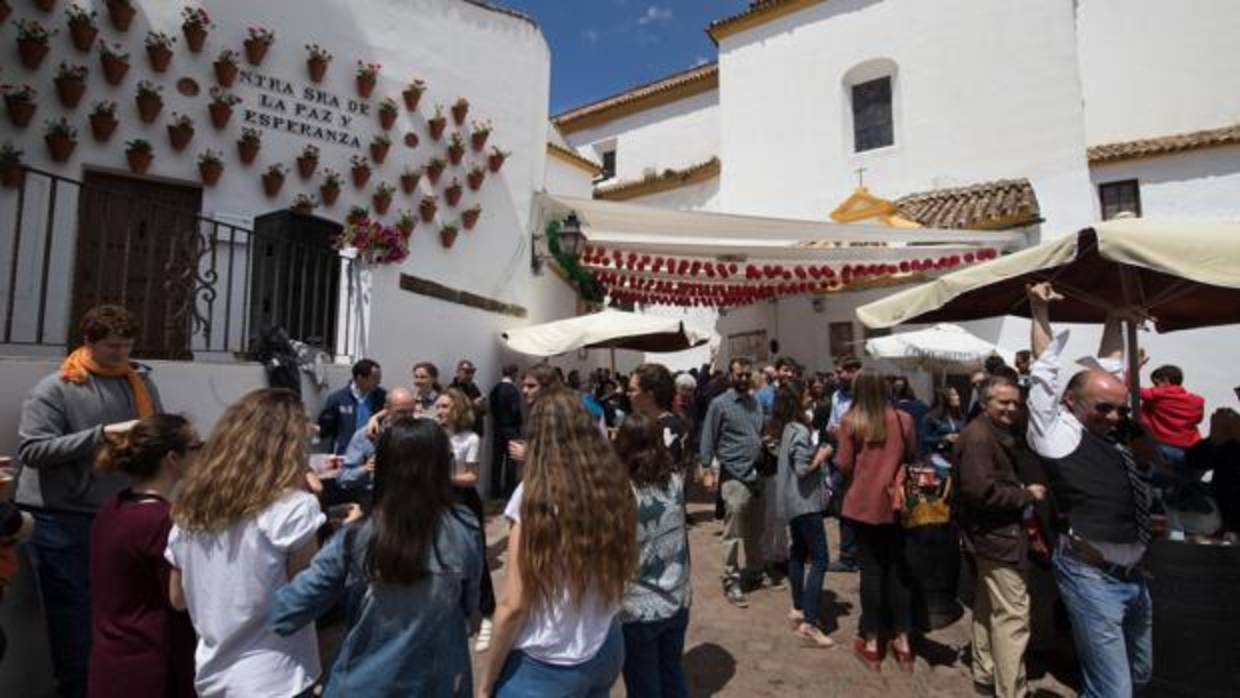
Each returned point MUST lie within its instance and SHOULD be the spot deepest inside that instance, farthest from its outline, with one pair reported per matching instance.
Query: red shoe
(904, 660)
(870, 658)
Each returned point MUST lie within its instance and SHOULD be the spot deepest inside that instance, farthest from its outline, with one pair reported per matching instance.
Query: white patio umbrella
(608, 329)
(942, 347)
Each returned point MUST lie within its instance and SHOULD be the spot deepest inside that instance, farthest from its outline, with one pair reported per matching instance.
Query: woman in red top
(140, 646)
(875, 440)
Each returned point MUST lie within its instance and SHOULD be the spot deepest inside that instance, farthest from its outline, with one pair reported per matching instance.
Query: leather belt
(1083, 551)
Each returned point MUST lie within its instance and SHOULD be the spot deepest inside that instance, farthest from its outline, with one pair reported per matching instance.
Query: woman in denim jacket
(409, 574)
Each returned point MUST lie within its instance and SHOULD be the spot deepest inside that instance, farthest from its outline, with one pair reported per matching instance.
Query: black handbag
(768, 458)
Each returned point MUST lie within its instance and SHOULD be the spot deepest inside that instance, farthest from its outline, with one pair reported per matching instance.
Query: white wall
(985, 91)
(703, 196)
(563, 178)
(1197, 184)
(1154, 68)
(675, 135)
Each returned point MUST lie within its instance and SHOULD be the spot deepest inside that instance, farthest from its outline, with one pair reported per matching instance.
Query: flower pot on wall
(122, 13)
(102, 126)
(387, 117)
(20, 111)
(114, 69)
(475, 178)
(382, 203)
(411, 97)
(180, 136)
(361, 175)
(225, 73)
(433, 171)
(456, 153)
(83, 35)
(32, 52)
(139, 160)
(247, 151)
(220, 114)
(45, 5)
(469, 217)
(70, 91)
(447, 236)
(306, 166)
(317, 68)
(427, 209)
(255, 51)
(329, 193)
(496, 160)
(379, 152)
(195, 37)
(11, 174)
(160, 57)
(478, 140)
(453, 193)
(365, 85)
(149, 107)
(436, 126)
(409, 182)
(459, 111)
(211, 172)
(5, 10)
(60, 148)
(272, 183)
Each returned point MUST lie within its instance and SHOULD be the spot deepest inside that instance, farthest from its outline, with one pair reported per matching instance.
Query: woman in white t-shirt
(572, 551)
(244, 525)
(455, 413)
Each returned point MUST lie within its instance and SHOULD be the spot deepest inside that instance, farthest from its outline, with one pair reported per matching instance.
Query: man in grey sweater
(64, 419)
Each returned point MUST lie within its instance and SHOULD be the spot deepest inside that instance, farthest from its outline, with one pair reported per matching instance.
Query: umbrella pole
(1134, 366)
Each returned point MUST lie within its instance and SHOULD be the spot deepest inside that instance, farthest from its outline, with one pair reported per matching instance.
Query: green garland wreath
(588, 286)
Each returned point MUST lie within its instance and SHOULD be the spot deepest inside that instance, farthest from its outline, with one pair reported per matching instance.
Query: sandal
(905, 660)
(870, 658)
(813, 637)
(795, 617)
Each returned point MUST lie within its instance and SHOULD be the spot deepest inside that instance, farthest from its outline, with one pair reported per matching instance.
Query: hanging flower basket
(460, 109)
(159, 50)
(475, 178)
(194, 24)
(250, 143)
(70, 84)
(478, 136)
(210, 167)
(427, 209)
(82, 27)
(456, 149)
(19, 101)
(221, 107)
(405, 224)
(226, 68)
(434, 169)
(409, 180)
(308, 162)
(103, 121)
(61, 139)
(469, 217)
(329, 191)
(303, 204)
(32, 42)
(149, 101)
(452, 194)
(317, 62)
(256, 45)
(382, 198)
(496, 159)
(114, 61)
(379, 146)
(180, 131)
(360, 171)
(412, 94)
(122, 13)
(11, 172)
(437, 124)
(375, 243)
(357, 214)
(387, 113)
(447, 236)
(273, 180)
(139, 154)
(367, 75)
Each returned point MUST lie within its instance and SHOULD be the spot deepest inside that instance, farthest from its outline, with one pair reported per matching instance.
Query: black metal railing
(198, 285)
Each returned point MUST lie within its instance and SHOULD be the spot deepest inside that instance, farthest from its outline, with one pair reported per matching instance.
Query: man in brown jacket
(992, 502)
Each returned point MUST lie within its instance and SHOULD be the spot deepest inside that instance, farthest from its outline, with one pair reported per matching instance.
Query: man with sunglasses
(1103, 495)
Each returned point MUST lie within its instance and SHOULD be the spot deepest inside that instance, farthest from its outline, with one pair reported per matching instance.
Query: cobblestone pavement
(752, 652)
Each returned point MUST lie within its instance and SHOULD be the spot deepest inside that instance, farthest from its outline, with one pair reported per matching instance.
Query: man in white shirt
(1103, 493)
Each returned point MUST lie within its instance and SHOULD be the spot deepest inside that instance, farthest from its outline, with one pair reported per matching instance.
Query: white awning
(608, 328)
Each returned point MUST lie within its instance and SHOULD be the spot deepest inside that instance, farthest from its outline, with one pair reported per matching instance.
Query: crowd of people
(202, 566)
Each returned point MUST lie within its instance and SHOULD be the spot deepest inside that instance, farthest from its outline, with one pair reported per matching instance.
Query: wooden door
(137, 247)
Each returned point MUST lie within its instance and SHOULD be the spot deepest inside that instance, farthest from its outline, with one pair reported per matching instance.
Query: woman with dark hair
(656, 607)
(136, 633)
(652, 390)
(408, 573)
(941, 426)
(572, 552)
(875, 441)
(801, 501)
(426, 387)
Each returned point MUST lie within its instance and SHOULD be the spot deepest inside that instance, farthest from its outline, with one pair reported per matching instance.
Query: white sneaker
(483, 643)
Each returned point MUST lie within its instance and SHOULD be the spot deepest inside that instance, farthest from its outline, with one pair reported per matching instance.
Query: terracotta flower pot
(20, 111)
(160, 57)
(447, 237)
(478, 140)
(149, 107)
(355, 218)
(221, 114)
(32, 52)
(405, 228)
(459, 112)
(329, 193)
(382, 203)
(317, 68)
(427, 210)
(303, 209)
(139, 160)
(453, 194)
(5, 10)
(409, 183)
(195, 37)
(114, 69)
(455, 154)
(45, 5)
(433, 172)
(412, 97)
(70, 91)
(495, 161)
(470, 218)
(211, 172)
(225, 73)
(365, 85)
(122, 14)
(11, 174)
(306, 166)
(436, 127)
(83, 35)
(387, 117)
(59, 148)
(247, 151)
(180, 136)
(474, 179)
(361, 175)
(255, 51)
(379, 152)
(272, 183)
(102, 126)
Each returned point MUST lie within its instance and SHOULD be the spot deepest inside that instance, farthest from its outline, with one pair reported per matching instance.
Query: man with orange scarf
(97, 390)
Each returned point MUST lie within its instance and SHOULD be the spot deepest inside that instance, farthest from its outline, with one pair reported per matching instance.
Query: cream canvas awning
(606, 329)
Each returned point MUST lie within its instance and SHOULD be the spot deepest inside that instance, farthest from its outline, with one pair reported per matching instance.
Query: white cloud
(654, 13)
(591, 36)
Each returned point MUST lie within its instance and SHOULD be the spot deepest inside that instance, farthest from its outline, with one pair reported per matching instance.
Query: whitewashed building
(1038, 117)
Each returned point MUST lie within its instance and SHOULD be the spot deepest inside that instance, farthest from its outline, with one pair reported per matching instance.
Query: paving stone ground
(752, 652)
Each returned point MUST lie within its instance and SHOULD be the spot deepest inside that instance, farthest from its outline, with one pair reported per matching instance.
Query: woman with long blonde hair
(244, 525)
(875, 441)
(572, 551)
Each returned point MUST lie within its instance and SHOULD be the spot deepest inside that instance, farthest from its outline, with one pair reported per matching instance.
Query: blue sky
(600, 47)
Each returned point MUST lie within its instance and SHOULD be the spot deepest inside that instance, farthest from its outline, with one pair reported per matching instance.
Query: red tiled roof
(687, 83)
(1005, 203)
(758, 12)
(669, 179)
(1164, 145)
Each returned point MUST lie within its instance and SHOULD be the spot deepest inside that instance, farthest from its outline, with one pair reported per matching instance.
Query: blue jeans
(1112, 624)
(60, 549)
(526, 677)
(652, 652)
(848, 541)
(808, 544)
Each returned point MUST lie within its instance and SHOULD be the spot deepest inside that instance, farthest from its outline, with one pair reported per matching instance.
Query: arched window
(870, 90)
